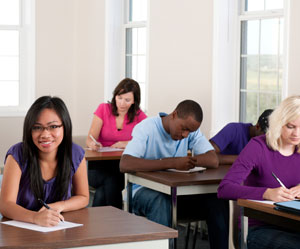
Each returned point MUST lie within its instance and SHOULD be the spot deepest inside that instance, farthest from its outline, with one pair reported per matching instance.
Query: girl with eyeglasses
(46, 167)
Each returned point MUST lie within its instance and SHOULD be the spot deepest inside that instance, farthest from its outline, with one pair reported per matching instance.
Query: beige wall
(70, 49)
(180, 55)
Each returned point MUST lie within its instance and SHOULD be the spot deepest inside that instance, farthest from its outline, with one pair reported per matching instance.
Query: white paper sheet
(265, 201)
(108, 149)
(30, 226)
(196, 169)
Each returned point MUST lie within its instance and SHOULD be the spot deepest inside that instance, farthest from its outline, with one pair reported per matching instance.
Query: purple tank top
(26, 197)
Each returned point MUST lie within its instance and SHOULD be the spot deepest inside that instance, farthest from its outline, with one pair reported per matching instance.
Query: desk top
(266, 208)
(101, 225)
(96, 156)
(175, 179)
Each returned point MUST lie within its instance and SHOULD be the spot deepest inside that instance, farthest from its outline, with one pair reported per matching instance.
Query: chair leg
(195, 235)
(187, 235)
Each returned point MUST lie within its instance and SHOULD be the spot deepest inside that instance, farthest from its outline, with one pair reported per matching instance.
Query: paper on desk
(30, 226)
(108, 149)
(265, 201)
(196, 169)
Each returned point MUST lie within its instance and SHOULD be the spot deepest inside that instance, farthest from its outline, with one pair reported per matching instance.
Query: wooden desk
(103, 227)
(175, 184)
(96, 156)
(266, 213)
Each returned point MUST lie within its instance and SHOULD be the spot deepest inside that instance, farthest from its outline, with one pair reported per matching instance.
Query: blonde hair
(287, 111)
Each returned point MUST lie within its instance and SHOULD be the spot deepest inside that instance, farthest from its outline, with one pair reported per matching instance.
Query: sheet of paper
(30, 226)
(108, 149)
(196, 169)
(266, 202)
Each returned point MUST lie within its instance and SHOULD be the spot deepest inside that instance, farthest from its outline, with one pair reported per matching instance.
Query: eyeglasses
(50, 128)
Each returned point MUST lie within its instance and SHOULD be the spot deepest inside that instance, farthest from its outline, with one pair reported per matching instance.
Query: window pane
(250, 73)
(138, 10)
(9, 42)
(128, 66)
(274, 4)
(141, 42)
(254, 5)
(249, 107)
(281, 25)
(134, 71)
(269, 36)
(9, 68)
(129, 41)
(269, 72)
(9, 12)
(136, 41)
(280, 72)
(250, 37)
(141, 69)
(268, 101)
(9, 93)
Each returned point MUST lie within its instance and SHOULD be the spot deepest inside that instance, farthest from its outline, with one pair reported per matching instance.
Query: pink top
(109, 133)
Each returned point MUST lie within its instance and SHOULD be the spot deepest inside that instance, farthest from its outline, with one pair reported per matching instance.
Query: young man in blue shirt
(161, 143)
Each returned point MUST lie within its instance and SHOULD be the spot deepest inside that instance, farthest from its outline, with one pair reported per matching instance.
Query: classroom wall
(70, 49)
(180, 55)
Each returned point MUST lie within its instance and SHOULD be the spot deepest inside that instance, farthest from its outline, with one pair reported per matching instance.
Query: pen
(96, 142)
(46, 206)
(278, 180)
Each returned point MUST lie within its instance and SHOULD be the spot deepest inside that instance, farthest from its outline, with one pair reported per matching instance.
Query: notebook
(288, 206)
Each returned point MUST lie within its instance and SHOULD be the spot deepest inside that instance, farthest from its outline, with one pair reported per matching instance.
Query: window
(261, 57)
(16, 56)
(135, 48)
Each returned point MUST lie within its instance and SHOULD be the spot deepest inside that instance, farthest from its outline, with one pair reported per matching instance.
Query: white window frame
(137, 24)
(26, 62)
(226, 62)
(260, 15)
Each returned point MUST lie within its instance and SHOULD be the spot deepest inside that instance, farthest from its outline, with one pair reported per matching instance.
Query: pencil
(278, 180)
(96, 142)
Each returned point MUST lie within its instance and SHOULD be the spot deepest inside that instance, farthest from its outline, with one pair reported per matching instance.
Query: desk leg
(244, 229)
(174, 212)
(129, 197)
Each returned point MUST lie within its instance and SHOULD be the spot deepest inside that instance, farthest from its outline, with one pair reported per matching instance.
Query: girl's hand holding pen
(94, 144)
(51, 214)
(47, 217)
(278, 194)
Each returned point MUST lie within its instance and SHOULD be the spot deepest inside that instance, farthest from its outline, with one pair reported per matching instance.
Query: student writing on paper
(112, 126)
(250, 177)
(230, 141)
(162, 142)
(46, 165)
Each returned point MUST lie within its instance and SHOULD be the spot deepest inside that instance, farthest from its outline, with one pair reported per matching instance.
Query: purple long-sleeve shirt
(254, 168)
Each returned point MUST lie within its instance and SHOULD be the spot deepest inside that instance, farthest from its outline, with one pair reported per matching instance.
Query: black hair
(125, 86)
(263, 120)
(64, 152)
(188, 108)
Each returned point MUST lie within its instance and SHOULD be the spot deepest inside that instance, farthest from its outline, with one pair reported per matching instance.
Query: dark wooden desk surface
(175, 179)
(101, 225)
(96, 156)
(267, 213)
